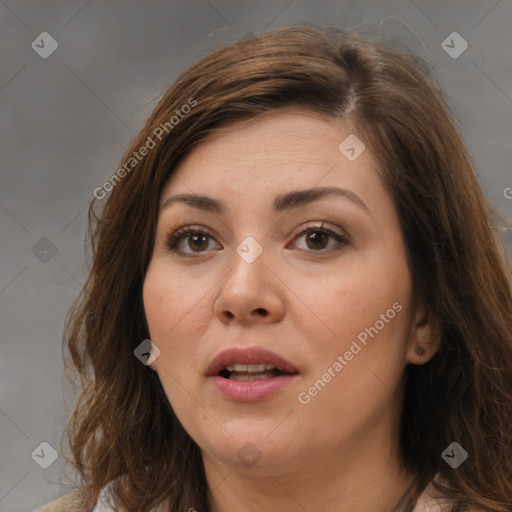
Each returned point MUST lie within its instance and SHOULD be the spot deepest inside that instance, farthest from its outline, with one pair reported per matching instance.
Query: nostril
(260, 311)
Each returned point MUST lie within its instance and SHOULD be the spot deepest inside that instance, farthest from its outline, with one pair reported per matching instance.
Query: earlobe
(420, 351)
(424, 338)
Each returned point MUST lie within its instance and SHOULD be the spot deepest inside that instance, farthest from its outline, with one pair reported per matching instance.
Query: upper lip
(253, 355)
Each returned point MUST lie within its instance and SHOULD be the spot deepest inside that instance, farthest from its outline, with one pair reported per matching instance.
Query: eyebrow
(284, 202)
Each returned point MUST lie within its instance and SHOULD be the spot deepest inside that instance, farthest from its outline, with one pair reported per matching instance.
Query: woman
(297, 301)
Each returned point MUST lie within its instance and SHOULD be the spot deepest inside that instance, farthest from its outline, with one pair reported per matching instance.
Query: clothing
(62, 504)
(66, 504)
(425, 503)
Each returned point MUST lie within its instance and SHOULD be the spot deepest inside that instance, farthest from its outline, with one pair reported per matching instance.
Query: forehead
(285, 149)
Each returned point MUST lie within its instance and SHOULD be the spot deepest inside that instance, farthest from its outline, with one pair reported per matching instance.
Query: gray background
(67, 119)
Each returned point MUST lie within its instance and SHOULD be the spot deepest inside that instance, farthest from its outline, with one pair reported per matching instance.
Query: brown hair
(123, 430)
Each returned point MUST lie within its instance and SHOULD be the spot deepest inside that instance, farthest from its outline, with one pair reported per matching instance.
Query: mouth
(250, 364)
(251, 374)
(240, 371)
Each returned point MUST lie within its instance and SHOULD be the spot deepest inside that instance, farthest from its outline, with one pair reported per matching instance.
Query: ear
(424, 337)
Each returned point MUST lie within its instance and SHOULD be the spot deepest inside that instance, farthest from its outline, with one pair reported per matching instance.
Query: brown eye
(188, 240)
(317, 239)
(197, 240)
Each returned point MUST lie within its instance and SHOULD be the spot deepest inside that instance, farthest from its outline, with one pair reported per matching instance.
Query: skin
(339, 451)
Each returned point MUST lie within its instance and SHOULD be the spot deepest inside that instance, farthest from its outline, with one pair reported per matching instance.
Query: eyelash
(173, 239)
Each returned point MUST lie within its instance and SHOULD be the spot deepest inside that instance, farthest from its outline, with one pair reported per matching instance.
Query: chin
(253, 449)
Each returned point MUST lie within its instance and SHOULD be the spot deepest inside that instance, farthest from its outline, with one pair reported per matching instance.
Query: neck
(364, 477)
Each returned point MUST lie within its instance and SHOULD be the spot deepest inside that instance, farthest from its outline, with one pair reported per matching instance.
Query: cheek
(356, 294)
(176, 312)
(372, 348)
(174, 320)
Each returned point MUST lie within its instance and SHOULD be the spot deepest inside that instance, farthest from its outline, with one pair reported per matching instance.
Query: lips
(250, 375)
(253, 362)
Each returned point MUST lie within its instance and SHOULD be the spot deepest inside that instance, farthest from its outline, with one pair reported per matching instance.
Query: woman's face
(280, 276)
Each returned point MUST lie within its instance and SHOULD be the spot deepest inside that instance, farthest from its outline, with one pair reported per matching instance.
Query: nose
(250, 293)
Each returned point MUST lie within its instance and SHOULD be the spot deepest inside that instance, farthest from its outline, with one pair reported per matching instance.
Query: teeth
(258, 376)
(251, 368)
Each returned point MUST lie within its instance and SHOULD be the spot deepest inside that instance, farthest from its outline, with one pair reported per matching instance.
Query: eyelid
(322, 225)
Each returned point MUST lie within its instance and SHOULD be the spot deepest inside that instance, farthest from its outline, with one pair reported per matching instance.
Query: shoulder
(431, 501)
(66, 503)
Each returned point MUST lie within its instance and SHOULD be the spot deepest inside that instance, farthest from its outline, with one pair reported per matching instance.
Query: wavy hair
(123, 431)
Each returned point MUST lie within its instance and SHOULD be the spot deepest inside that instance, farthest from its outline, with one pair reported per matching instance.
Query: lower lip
(251, 390)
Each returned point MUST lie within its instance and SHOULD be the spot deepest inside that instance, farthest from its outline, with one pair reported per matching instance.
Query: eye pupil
(315, 237)
(195, 237)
